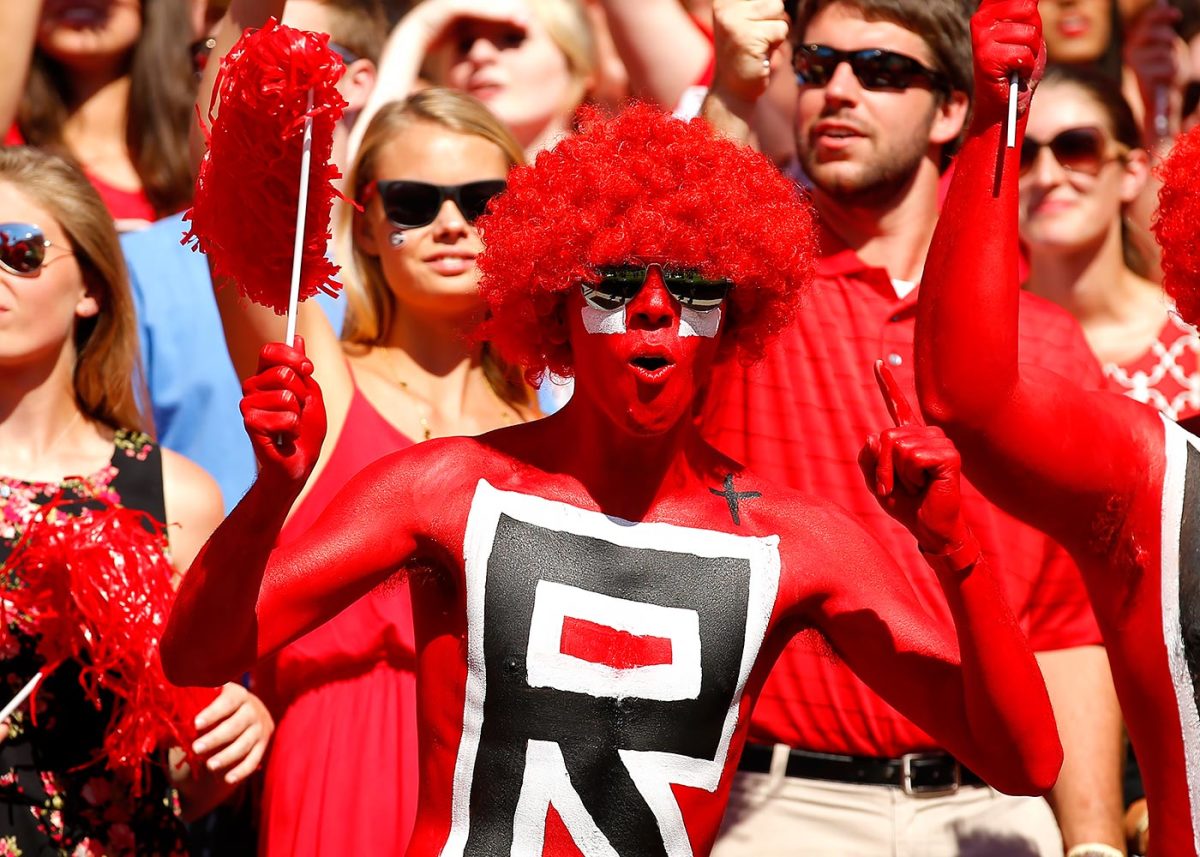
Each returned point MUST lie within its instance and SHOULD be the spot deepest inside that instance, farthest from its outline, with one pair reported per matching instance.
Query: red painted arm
(1034, 442)
(243, 598)
(982, 696)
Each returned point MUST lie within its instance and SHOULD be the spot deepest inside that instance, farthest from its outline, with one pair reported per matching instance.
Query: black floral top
(56, 797)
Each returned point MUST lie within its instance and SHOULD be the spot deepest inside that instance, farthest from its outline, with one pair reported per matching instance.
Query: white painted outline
(1176, 442)
(549, 667)
(546, 783)
(652, 772)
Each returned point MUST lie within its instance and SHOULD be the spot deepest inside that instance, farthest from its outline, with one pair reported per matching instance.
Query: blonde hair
(371, 304)
(567, 24)
(108, 380)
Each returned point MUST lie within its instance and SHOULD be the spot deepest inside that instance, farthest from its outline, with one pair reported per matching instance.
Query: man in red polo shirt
(831, 768)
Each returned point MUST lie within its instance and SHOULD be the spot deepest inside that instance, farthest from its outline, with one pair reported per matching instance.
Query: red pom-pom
(96, 587)
(244, 212)
(1175, 224)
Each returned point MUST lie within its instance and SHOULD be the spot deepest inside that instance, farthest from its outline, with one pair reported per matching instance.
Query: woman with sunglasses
(1082, 163)
(72, 426)
(406, 369)
(110, 85)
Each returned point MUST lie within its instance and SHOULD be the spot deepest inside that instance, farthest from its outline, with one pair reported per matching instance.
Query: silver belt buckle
(906, 776)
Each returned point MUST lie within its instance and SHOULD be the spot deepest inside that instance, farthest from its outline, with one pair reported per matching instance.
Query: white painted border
(652, 772)
(547, 666)
(1176, 442)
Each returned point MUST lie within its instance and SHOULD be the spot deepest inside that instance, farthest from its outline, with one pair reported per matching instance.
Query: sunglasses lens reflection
(22, 250)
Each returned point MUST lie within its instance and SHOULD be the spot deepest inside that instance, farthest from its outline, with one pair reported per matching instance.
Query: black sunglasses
(620, 284)
(410, 204)
(22, 248)
(875, 68)
(1083, 150)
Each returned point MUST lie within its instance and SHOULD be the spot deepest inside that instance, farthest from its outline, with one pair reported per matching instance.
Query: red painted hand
(1006, 37)
(284, 413)
(913, 471)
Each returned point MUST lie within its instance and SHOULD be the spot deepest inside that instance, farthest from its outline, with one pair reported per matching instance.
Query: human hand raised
(284, 413)
(1006, 37)
(435, 18)
(746, 34)
(1157, 56)
(914, 472)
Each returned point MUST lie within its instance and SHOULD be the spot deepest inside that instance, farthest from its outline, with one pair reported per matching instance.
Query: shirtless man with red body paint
(1106, 477)
(599, 595)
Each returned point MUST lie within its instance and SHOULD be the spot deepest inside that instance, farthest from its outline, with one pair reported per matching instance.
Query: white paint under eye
(694, 322)
(603, 320)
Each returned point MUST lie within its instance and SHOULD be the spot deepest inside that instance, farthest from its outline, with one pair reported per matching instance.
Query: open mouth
(650, 364)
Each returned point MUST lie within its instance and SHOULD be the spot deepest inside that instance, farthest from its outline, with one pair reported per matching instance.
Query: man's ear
(357, 83)
(949, 119)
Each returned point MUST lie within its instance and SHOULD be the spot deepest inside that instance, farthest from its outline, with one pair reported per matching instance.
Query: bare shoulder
(190, 491)
(811, 523)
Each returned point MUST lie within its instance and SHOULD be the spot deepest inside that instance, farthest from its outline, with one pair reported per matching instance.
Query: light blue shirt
(194, 390)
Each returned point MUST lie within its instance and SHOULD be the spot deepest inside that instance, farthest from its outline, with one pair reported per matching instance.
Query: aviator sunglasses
(619, 284)
(410, 204)
(1082, 150)
(22, 248)
(875, 68)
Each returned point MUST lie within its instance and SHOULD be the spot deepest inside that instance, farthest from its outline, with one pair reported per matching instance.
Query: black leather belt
(927, 774)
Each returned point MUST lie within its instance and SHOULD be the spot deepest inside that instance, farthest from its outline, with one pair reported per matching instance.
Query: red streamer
(244, 212)
(96, 588)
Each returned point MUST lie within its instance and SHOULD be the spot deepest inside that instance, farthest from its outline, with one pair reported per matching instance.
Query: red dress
(342, 774)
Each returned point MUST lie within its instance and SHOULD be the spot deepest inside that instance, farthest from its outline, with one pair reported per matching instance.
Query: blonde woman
(405, 370)
(531, 62)
(71, 425)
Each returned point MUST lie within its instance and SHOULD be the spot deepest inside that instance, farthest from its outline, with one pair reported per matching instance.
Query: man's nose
(653, 308)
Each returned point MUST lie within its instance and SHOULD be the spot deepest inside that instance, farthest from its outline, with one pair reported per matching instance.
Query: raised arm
(243, 597)
(1029, 438)
(639, 29)
(18, 21)
(981, 695)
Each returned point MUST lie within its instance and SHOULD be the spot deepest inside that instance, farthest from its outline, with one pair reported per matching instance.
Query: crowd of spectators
(121, 372)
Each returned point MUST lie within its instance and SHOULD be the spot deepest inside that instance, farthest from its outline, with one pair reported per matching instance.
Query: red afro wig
(1176, 224)
(642, 185)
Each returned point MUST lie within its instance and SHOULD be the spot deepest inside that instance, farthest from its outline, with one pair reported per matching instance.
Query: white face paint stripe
(693, 322)
(603, 321)
(1176, 447)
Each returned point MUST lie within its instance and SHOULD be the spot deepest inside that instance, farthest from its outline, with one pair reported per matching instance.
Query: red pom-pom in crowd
(244, 212)
(96, 588)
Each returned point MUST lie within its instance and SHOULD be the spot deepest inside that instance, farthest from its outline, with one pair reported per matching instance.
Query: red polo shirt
(801, 416)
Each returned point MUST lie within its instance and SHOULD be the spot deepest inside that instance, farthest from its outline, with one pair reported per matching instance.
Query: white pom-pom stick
(301, 212)
(22, 695)
(1013, 80)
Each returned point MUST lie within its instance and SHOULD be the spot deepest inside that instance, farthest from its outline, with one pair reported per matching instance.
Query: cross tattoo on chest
(733, 497)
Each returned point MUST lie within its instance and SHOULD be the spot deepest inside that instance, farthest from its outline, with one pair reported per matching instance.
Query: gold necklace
(427, 432)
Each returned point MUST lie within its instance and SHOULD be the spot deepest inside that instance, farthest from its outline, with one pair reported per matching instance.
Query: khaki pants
(771, 815)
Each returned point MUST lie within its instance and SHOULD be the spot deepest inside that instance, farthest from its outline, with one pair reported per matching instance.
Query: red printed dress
(1167, 375)
(342, 774)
